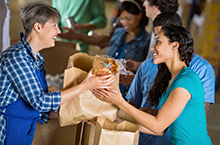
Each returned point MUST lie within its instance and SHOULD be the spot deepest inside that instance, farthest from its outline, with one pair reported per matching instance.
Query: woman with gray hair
(24, 97)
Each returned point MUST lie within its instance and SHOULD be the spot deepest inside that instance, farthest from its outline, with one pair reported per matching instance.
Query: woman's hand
(112, 96)
(93, 82)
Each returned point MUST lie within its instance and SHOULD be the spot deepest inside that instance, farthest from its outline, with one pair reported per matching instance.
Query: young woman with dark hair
(177, 90)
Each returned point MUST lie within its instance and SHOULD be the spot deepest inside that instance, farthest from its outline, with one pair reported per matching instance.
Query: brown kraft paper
(85, 106)
(111, 133)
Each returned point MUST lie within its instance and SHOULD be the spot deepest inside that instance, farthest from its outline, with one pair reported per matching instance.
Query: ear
(156, 9)
(175, 45)
(37, 27)
(139, 16)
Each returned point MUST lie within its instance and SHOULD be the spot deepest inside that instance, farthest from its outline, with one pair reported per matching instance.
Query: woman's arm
(171, 109)
(100, 40)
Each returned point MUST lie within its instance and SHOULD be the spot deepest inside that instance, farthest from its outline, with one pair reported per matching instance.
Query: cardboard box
(56, 58)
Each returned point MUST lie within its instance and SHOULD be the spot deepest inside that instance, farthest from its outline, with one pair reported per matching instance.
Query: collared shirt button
(126, 51)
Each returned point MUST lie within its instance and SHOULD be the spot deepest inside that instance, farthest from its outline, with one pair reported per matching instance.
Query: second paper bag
(85, 106)
(111, 133)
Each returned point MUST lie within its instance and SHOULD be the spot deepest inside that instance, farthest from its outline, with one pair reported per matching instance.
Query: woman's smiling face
(49, 33)
(130, 21)
(162, 48)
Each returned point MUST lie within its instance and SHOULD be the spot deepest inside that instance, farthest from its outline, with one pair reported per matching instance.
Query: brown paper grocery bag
(88, 134)
(85, 106)
(52, 134)
(111, 133)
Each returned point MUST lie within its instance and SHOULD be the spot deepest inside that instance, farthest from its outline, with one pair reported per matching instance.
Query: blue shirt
(190, 126)
(136, 49)
(143, 81)
(19, 80)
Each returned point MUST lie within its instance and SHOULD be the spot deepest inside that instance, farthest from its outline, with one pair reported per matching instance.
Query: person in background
(153, 8)
(24, 98)
(88, 15)
(100, 40)
(4, 25)
(3, 10)
(131, 41)
(177, 90)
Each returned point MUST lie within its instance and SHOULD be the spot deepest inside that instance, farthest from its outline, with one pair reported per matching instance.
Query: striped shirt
(19, 80)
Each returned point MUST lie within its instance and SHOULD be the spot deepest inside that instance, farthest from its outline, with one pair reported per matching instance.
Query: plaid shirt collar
(40, 63)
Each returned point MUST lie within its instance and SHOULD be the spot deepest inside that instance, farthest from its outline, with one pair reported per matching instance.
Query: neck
(175, 67)
(134, 32)
(156, 13)
(34, 44)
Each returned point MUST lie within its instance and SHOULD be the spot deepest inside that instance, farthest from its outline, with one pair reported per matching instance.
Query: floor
(16, 28)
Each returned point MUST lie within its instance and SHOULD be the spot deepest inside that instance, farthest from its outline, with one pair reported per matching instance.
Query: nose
(153, 47)
(144, 4)
(122, 22)
(58, 30)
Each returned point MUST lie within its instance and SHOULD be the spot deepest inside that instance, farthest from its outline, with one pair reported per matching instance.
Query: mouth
(154, 54)
(54, 38)
(126, 27)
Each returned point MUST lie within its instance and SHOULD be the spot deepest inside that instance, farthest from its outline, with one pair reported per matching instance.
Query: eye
(128, 19)
(157, 42)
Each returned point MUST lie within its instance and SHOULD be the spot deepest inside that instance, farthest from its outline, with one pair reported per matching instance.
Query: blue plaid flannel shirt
(19, 80)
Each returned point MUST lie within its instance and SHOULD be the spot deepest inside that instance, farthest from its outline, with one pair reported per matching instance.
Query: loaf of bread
(103, 66)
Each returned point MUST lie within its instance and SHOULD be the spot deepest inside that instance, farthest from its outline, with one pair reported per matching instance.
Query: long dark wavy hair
(174, 34)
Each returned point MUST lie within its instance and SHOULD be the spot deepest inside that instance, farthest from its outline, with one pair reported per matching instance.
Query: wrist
(122, 103)
(84, 87)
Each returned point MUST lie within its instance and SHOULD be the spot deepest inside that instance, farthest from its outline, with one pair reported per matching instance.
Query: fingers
(98, 93)
(107, 79)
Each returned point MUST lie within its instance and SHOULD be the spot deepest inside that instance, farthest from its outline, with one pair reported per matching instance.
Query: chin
(156, 61)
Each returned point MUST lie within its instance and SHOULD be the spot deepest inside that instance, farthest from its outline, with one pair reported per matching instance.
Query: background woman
(130, 41)
(177, 90)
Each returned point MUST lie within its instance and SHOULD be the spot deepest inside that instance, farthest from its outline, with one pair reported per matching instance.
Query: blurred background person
(101, 41)
(87, 14)
(153, 8)
(5, 25)
(130, 41)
